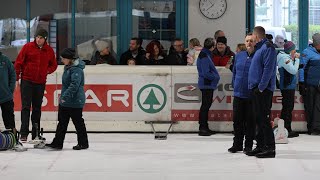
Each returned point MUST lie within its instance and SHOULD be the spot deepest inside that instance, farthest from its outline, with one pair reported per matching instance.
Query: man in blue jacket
(208, 79)
(309, 77)
(262, 80)
(243, 119)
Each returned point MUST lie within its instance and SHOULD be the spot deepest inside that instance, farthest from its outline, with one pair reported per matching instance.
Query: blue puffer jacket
(240, 74)
(288, 70)
(310, 74)
(7, 79)
(262, 72)
(207, 72)
(72, 94)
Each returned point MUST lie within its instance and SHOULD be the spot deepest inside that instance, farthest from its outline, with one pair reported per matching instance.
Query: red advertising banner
(99, 98)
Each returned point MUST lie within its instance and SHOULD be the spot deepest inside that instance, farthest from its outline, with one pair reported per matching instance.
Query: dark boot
(80, 147)
(54, 146)
(205, 132)
(293, 134)
(235, 148)
(247, 149)
(254, 151)
(267, 153)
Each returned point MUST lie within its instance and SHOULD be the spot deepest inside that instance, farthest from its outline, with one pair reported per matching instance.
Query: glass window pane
(154, 20)
(314, 18)
(13, 28)
(279, 18)
(95, 19)
(55, 17)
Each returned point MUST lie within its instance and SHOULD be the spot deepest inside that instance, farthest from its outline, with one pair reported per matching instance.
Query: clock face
(213, 9)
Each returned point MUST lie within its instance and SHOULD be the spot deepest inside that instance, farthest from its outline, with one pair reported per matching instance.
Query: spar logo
(151, 98)
(99, 98)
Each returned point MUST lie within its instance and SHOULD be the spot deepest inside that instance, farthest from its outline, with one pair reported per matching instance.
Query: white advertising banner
(121, 98)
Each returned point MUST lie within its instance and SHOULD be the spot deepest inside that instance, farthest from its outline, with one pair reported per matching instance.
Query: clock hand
(210, 6)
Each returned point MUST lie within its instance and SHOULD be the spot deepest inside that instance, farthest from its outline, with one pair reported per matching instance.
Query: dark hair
(150, 48)
(176, 39)
(269, 36)
(217, 33)
(138, 40)
(241, 46)
(209, 43)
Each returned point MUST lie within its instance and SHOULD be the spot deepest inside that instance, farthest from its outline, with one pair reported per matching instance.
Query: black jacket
(107, 59)
(140, 58)
(175, 59)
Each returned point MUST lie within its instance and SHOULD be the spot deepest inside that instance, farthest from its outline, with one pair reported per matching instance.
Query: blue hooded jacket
(287, 67)
(310, 74)
(262, 72)
(240, 74)
(72, 94)
(7, 79)
(208, 77)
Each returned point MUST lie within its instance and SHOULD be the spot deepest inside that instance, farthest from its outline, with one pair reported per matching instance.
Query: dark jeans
(64, 115)
(31, 95)
(262, 107)
(243, 122)
(287, 107)
(8, 114)
(207, 95)
(312, 108)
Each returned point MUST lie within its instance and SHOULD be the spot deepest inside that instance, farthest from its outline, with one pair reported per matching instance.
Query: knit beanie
(316, 39)
(68, 53)
(222, 39)
(42, 32)
(289, 46)
(101, 45)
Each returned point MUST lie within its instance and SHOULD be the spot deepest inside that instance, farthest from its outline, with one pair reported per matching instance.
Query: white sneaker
(19, 147)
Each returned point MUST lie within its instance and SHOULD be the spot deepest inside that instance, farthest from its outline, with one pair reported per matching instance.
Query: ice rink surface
(180, 157)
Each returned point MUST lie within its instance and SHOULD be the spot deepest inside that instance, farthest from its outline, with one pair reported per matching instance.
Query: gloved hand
(256, 91)
(302, 89)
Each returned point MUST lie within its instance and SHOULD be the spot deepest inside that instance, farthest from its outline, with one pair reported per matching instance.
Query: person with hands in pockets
(72, 100)
(262, 81)
(208, 79)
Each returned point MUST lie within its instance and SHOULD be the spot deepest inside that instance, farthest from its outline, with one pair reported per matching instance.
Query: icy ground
(180, 157)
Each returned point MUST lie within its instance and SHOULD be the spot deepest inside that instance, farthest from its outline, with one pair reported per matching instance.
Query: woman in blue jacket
(72, 100)
(288, 65)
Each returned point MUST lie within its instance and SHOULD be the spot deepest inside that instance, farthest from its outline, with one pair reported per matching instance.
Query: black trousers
(31, 95)
(287, 107)
(8, 114)
(312, 108)
(64, 115)
(243, 122)
(207, 95)
(262, 107)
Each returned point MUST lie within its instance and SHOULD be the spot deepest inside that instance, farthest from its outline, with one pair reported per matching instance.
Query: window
(154, 20)
(314, 18)
(95, 19)
(55, 17)
(13, 28)
(278, 17)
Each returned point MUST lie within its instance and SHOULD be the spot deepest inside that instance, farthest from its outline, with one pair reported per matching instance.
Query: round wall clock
(213, 9)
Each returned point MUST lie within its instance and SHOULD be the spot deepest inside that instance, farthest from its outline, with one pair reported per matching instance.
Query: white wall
(233, 22)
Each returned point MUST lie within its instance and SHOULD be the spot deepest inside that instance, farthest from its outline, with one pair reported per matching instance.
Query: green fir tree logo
(151, 100)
